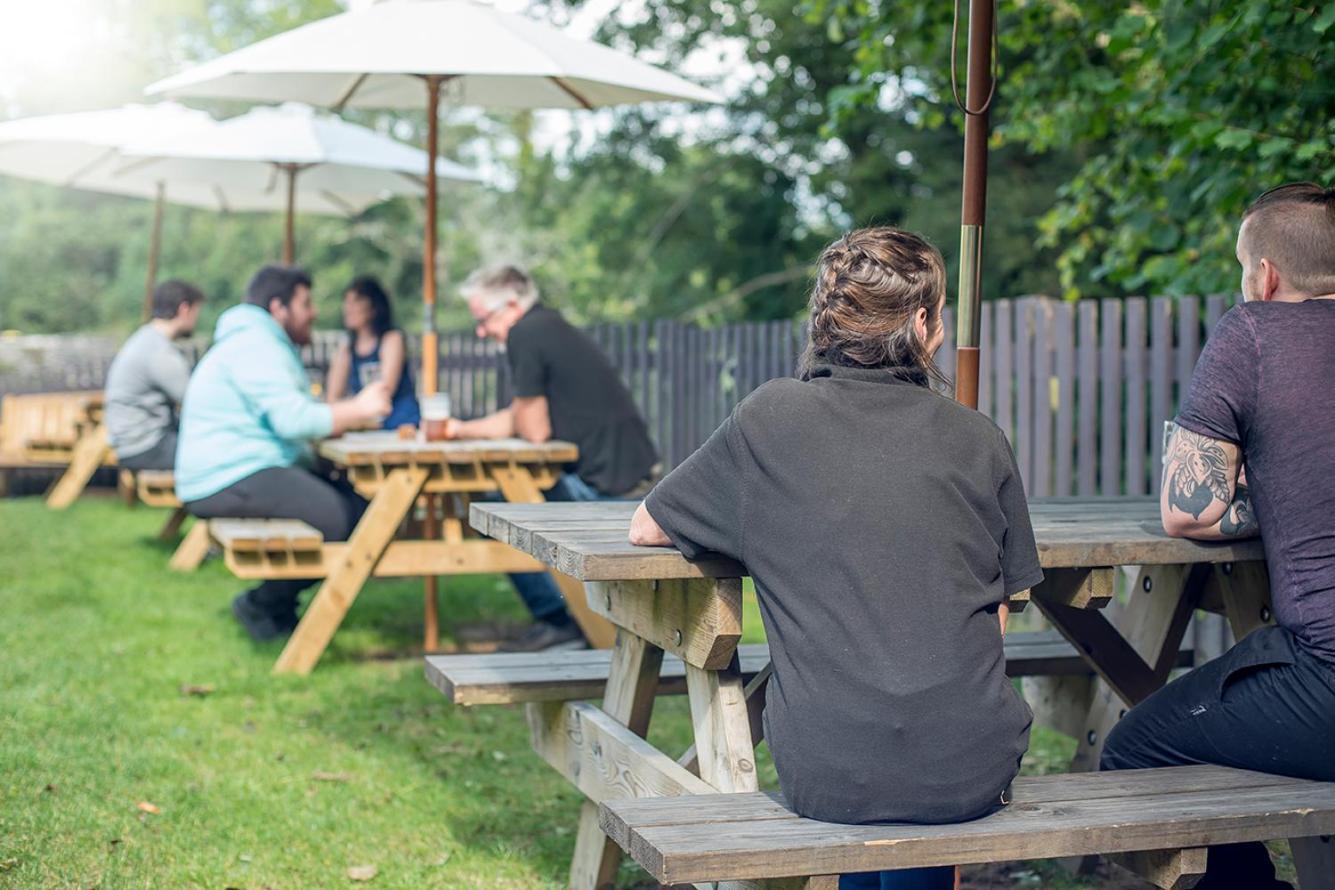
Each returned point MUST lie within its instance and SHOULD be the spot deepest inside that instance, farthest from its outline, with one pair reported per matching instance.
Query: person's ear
(920, 324)
(276, 307)
(1269, 280)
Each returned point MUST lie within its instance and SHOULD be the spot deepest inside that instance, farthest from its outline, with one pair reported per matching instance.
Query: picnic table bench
(41, 430)
(662, 603)
(515, 677)
(1155, 822)
(405, 480)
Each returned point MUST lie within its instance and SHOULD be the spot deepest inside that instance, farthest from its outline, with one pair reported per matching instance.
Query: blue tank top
(366, 368)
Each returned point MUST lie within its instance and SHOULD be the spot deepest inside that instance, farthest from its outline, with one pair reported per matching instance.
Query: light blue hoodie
(248, 406)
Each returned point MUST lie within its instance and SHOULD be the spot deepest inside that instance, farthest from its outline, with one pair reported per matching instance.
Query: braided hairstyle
(869, 287)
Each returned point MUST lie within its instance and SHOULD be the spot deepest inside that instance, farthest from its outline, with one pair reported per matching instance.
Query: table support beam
(365, 547)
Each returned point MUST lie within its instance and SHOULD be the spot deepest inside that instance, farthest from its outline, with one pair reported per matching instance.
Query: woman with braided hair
(884, 526)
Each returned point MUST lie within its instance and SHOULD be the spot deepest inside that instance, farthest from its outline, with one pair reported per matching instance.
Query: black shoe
(544, 636)
(260, 624)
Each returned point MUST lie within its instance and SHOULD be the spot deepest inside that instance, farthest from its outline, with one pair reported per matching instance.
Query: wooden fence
(1081, 389)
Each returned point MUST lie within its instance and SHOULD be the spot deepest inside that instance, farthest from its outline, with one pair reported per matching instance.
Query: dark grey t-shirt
(882, 524)
(1266, 382)
(587, 402)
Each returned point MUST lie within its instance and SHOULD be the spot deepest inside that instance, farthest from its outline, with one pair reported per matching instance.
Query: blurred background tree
(1127, 140)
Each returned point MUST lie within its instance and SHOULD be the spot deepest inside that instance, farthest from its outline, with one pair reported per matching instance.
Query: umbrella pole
(974, 208)
(289, 227)
(154, 249)
(430, 347)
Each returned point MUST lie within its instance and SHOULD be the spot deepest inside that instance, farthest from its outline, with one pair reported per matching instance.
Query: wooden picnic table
(660, 601)
(396, 474)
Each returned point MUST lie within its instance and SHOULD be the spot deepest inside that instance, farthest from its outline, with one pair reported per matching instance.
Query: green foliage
(1179, 112)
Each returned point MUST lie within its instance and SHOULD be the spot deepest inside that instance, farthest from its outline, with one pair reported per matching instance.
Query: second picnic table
(395, 473)
(661, 602)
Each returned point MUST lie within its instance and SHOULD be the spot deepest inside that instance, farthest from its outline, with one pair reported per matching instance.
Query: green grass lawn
(278, 782)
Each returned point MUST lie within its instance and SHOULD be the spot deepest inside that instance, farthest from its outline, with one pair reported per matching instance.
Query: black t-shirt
(882, 524)
(588, 403)
(1266, 383)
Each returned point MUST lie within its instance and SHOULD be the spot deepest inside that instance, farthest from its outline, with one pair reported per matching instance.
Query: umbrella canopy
(286, 159)
(375, 57)
(83, 150)
(342, 168)
(384, 55)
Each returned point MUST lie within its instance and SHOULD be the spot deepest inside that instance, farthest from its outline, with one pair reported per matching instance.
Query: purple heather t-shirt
(1266, 382)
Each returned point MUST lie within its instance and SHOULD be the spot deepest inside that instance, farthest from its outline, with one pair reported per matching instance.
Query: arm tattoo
(1197, 473)
(1239, 520)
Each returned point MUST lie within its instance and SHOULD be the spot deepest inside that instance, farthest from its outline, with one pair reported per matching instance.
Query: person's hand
(372, 402)
(454, 428)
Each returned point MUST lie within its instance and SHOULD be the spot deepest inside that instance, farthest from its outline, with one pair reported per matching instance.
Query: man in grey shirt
(147, 380)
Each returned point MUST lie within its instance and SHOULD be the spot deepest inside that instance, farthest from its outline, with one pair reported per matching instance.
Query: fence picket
(1087, 443)
(1161, 380)
(1064, 418)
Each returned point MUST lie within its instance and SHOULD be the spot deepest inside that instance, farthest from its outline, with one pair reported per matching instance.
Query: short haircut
(169, 296)
(1293, 226)
(276, 283)
(497, 285)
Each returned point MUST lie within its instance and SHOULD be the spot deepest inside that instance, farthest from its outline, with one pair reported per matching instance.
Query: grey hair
(497, 285)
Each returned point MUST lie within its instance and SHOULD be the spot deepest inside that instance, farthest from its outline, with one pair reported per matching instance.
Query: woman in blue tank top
(374, 350)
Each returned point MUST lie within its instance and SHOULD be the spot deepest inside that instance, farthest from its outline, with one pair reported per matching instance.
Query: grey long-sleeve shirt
(145, 384)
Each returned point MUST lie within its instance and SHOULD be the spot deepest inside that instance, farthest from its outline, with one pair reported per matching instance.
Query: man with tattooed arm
(1262, 397)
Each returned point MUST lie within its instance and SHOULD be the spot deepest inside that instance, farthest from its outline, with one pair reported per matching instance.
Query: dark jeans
(161, 456)
(1267, 704)
(942, 878)
(325, 503)
(537, 589)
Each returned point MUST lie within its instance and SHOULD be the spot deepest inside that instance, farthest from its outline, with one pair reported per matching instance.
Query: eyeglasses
(481, 323)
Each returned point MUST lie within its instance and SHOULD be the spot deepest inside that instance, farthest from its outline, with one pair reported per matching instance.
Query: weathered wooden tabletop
(588, 540)
(385, 447)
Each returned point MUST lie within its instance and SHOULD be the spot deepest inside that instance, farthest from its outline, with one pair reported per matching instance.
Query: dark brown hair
(1293, 226)
(170, 295)
(869, 286)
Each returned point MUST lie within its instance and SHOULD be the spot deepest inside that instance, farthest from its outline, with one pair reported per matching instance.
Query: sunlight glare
(41, 35)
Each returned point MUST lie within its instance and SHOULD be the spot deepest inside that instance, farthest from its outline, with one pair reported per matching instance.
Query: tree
(1180, 113)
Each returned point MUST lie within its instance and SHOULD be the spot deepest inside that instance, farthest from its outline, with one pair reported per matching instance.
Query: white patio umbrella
(282, 158)
(81, 150)
(381, 56)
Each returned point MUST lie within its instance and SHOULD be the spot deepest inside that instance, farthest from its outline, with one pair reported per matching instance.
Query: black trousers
(1267, 704)
(161, 456)
(324, 502)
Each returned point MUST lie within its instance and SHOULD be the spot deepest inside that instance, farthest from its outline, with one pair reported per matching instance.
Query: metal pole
(289, 226)
(429, 342)
(154, 249)
(974, 210)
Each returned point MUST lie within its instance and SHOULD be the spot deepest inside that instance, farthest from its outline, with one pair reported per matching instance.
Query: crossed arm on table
(1204, 493)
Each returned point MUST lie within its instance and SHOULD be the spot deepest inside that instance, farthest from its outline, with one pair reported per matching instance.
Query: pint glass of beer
(435, 416)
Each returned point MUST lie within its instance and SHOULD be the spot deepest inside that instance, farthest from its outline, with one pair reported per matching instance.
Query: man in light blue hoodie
(247, 421)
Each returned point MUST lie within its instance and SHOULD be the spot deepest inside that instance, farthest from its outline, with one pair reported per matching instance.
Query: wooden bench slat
(265, 534)
(738, 837)
(507, 678)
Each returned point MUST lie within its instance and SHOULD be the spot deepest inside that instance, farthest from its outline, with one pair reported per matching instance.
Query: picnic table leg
(192, 549)
(125, 484)
(1134, 663)
(431, 604)
(89, 453)
(172, 527)
(518, 487)
(632, 684)
(365, 547)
